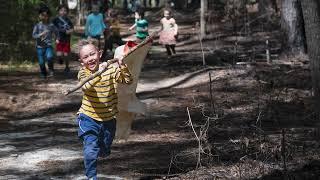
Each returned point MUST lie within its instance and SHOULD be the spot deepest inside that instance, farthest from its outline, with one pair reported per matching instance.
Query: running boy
(140, 24)
(95, 25)
(97, 114)
(113, 34)
(65, 28)
(43, 33)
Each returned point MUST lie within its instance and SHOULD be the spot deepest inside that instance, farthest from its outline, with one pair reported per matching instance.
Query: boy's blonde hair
(83, 42)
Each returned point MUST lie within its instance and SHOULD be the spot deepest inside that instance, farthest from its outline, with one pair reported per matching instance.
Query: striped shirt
(141, 24)
(100, 95)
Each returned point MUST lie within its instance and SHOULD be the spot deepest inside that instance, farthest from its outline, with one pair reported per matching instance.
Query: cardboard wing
(128, 103)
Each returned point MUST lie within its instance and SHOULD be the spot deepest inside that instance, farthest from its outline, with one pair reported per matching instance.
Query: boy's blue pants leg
(97, 139)
(45, 54)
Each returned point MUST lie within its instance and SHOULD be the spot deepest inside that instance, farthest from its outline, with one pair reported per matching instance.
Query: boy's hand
(57, 41)
(120, 62)
(103, 65)
(69, 31)
(43, 33)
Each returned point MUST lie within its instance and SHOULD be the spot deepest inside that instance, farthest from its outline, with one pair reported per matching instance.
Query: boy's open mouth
(92, 64)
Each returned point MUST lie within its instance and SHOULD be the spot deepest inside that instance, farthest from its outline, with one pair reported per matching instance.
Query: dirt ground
(257, 122)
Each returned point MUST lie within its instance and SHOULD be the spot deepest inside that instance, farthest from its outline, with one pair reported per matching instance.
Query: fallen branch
(198, 139)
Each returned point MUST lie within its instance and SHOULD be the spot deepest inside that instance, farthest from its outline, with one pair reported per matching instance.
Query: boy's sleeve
(35, 32)
(86, 29)
(88, 85)
(123, 75)
(102, 23)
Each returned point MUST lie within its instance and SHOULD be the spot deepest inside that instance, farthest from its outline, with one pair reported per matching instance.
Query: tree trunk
(125, 4)
(79, 13)
(204, 6)
(293, 26)
(311, 14)
(266, 8)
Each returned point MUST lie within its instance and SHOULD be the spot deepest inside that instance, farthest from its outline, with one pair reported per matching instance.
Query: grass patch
(12, 66)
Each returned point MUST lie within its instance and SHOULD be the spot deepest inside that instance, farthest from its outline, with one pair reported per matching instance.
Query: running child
(169, 32)
(65, 28)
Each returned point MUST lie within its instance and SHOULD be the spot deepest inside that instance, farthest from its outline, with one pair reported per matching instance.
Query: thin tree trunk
(293, 26)
(79, 13)
(311, 14)
(204, 6)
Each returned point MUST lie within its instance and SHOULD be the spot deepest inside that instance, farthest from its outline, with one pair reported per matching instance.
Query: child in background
(43, 33)
(95, 25)
(113, 34)
(140, 24)
(96, 116)
(65, 28)
(169, 32)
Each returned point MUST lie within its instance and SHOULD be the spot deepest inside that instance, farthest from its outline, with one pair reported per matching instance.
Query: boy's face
(95, 9)
(137, 15)
(44, 16)
(90, 57)
(63, 12)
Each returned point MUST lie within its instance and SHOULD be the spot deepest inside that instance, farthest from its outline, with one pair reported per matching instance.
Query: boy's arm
(88, 85)
(86, 29)
(102, 23)
(123, 74)
(133, 26)
(35, 32)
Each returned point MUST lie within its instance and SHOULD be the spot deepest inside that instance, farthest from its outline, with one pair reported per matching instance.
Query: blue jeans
(97, 139)
(45, 54)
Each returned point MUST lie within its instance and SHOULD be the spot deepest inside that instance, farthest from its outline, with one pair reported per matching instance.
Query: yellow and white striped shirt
(100, 95)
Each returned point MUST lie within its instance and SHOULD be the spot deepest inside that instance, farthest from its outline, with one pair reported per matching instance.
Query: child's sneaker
(67, 70)
(50, 74)
(42, 76)
(60, 61)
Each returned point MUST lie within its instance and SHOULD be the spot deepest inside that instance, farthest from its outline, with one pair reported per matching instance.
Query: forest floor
(259, 122)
